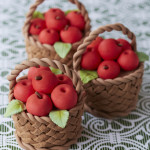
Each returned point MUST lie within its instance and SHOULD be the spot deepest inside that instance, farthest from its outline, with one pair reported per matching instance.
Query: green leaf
(14, 107)
(59, 117)
(142, 56)
(37, 14)
(87, 75)
(62, 49)
(68, 11)
(56, 71)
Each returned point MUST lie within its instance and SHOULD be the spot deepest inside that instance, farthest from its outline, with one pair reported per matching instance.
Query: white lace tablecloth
(128, 133)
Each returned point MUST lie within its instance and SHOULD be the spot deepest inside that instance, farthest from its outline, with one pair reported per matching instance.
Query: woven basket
(35, 49)
(40, 133)
(111, 98)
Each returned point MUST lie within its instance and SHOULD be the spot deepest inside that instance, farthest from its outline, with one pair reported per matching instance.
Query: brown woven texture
(111, 98)
(35, 49)
(40, 133)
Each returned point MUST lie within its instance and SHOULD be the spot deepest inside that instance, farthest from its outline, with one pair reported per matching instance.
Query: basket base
(29, 147)
(107, 115)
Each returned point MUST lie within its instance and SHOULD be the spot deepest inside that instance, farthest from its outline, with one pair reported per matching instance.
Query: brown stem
(57, 17)
(37, 27)
(119, 44)
(38, 78)
(38, 95)
(105, 67)
(66, 27)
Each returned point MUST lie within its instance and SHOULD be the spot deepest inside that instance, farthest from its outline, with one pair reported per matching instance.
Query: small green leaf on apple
(142, 56)
(37, 14)
(62, 49)
(59, 117)
(55, 71)
(87, 75)
(68, 11)
(14, 107)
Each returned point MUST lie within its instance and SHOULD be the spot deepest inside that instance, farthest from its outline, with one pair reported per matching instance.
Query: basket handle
(42, 62)
(117, 26)
(38, 2)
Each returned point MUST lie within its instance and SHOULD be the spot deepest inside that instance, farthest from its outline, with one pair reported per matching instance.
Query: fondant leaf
(62, 49)
(59, 117)
(56, 71)
(142, 56)
(87, 75)
(14, 107)
(37, 14)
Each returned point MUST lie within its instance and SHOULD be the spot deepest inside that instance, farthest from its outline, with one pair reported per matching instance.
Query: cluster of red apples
(108, 57)
(44, 91)
(56, 26)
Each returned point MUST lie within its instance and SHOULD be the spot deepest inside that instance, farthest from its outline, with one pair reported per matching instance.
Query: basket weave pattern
(37, 50)
(112, 97)
(40, 133)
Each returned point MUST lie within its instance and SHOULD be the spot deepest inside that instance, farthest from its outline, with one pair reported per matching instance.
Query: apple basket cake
(110, 71)
(55, 34)
(46, 107)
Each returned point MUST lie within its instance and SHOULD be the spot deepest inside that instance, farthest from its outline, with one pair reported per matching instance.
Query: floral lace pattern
(128, 133)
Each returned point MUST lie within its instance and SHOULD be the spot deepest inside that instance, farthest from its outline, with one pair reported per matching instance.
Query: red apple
(70, 34)
(48, 36)
(33, 70)
(95, 43)
(125, 44)
(108, 69)
(128, 60)
(53, 11)
(63, 79)
(56, 22)
(44, 81)
(23, 89)
(64, 97)
(76, 19)
(37, 25)
(90, 59)
(39, 104)
(109, 49)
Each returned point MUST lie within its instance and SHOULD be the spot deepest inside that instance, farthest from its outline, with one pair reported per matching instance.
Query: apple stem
(38, 78)
(38, 95)
(105, 67)
(66, 27)
(120, 44)
(57, 17)
(37, 27)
